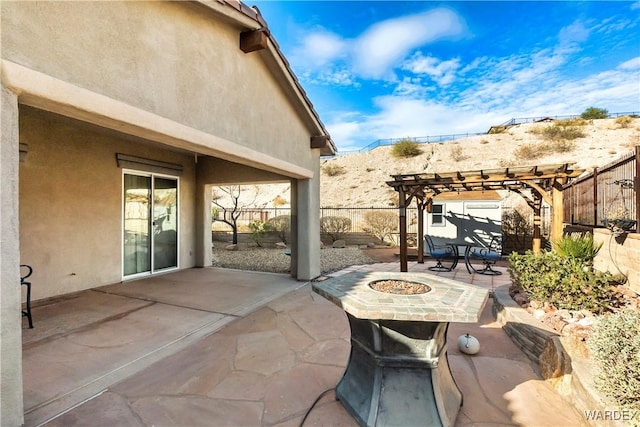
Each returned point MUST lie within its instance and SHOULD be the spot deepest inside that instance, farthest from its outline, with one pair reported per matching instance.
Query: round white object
(468, 344)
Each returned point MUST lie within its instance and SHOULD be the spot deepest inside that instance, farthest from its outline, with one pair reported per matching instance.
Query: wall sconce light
(24, 150)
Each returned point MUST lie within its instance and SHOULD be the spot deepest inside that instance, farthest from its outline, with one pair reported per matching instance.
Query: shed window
(437, 214)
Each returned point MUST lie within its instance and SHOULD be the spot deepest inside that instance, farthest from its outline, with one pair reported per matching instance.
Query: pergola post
(402, 212)
(420, 236)
(537, 221)
(557, 212)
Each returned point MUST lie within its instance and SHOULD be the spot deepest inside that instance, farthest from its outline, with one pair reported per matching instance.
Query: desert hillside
(359, 178)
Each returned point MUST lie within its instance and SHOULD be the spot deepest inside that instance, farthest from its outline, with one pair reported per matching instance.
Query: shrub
(279, 201)
(592, 113)
(331, 169)
(406, 148)
(458, 154)
(614, 345)
(258, 229)
(335, 226)
(562, 281)
(381, 223)
(527, 152)
(624, 121)
(571, 122)
(581, 248)
(560, 131)
(281, 225)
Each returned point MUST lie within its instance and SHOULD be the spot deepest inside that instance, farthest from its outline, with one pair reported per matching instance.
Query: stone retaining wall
(563, 363)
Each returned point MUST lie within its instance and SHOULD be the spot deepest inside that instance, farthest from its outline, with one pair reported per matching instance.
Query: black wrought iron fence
(608, 192)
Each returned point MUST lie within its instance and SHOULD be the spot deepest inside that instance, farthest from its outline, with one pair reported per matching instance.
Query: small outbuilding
(472, 216)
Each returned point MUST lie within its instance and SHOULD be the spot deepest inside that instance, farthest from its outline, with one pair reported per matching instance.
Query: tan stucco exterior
(164, 81)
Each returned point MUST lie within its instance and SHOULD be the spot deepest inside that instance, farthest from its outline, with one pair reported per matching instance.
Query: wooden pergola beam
(545, 182)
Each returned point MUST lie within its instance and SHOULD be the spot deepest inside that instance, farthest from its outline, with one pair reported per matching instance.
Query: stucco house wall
(164, 81)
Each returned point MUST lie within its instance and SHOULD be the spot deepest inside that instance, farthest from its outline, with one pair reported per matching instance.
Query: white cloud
(442, 72)
(320, 48)
(384, 45)
(632, 64)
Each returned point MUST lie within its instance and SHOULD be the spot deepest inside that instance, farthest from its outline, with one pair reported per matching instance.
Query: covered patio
(211, 346)
(534, 183)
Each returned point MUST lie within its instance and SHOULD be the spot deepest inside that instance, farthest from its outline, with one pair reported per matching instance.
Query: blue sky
(392, 69)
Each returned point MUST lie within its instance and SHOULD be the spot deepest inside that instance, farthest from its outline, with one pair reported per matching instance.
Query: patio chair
(440, 252)
(23, 282)
(489, 256)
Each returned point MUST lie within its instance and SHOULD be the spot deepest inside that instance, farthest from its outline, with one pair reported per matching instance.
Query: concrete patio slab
(268, 367)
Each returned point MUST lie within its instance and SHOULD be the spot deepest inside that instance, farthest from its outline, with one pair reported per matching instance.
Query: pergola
(533, 183)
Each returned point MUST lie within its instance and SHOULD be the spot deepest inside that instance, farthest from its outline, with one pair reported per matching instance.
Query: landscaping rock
(538, 313)
(371, 245)
(281, 245)
(231, 247)
(339, 244)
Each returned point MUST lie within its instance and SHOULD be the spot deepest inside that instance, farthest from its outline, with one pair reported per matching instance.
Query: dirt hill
(359, 179)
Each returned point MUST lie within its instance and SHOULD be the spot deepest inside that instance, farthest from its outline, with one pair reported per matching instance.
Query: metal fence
(450, 137)
(606, 192)
(357, 216)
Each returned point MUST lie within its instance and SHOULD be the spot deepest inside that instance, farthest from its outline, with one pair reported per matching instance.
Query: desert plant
(561, 281)
(331, 169)
(381, 224)
(279, 201)
(614, 345)
(281, 224)
(578, 121)
(406, 148)
(624, 121)
(335, 226)
(527, 152)
(258, 229)
(458, 154)
(592, 113)
(559, 131)
(581, 248)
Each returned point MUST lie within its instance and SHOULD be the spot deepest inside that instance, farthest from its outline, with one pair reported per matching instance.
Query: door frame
(151, 271)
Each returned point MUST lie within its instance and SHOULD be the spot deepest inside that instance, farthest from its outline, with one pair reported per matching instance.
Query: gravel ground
(275, 260)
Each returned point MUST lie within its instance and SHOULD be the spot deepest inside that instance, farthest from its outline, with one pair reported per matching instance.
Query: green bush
(258, 229)
(594, 113)
(335, 226)
(281, 224)
(381, 224)
(564, 282)
(614, 345)
(406, 148)
(581, 248)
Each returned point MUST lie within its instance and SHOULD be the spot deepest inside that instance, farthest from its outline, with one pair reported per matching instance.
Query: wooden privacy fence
(609, 191)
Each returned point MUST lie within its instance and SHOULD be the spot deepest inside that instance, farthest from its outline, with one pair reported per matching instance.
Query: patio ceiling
(544, 182)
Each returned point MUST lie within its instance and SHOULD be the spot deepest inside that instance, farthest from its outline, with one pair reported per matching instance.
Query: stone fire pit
(398, 372)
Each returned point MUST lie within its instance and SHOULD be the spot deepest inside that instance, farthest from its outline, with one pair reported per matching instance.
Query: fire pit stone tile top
(446, 301)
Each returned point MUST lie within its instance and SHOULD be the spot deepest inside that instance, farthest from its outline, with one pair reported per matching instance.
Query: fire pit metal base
(398, 373)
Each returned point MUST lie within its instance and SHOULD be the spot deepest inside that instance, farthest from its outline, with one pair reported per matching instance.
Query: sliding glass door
(150, 212)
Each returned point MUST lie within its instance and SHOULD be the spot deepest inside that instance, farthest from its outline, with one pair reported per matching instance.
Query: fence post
(595, 197)
(636, 188)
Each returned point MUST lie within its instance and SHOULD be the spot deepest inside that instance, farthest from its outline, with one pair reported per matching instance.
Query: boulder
(339, 244)
(231, 247)
(281, 245)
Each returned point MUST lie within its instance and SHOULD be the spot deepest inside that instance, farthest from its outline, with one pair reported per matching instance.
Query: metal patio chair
(489, 256)
(23, 282)
(441, 252)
